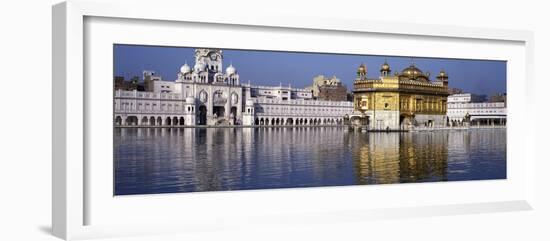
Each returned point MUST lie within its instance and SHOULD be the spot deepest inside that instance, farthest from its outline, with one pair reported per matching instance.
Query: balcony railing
(147, 95)
(135, 111)
(306, 102)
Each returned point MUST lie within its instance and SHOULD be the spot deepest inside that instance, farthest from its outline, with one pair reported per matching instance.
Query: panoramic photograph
(196, 119)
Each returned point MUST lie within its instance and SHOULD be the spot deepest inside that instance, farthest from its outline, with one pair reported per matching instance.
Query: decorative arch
(144, 121)
(118, 120)
(203, 96)
(202, 115)
(182, 121)
(131, 120)
(159, 121)
(289, 121)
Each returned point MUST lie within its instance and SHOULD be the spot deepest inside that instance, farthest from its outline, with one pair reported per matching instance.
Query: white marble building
(261, 111)
(206, 95)
(462, 108)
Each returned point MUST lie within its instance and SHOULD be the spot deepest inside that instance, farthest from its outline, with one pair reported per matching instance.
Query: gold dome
(442, 76)
(362, 70)
(412, 70)
(385, 66)
(413, 73)
(442, 73)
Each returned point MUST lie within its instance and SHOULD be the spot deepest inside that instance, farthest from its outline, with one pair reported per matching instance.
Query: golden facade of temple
(402, 100)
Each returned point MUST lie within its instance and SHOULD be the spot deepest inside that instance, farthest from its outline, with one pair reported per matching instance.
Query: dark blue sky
(271, 68)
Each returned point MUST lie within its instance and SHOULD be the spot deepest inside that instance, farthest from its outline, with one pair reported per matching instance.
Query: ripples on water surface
(155, 160)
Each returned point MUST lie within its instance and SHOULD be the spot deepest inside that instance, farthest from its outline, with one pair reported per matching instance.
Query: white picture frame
(73, 190)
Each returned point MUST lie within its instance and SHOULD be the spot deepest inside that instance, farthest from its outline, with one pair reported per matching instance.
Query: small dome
(230, 70)
(442, 73)
(362, 70)
(185, 69)
(385, 66)
(199, 67)
(442, 76)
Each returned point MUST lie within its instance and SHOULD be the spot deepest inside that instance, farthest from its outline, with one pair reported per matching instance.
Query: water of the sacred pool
(173, 160)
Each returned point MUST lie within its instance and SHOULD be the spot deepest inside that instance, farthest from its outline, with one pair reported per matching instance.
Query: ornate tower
(249, 113)
(211, 59)
(362, 72)
(443, 77)
(189, 111)
(385, 69)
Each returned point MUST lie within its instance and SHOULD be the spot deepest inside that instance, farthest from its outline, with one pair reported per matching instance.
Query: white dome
(199, 67)
(230, 70)
(185, 69)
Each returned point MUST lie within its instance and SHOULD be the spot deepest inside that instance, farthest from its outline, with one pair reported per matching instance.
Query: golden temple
(401, 100)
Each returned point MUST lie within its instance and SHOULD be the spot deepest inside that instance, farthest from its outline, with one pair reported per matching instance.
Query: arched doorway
(159, 121)
(257, 121)
(144, 121)
(289, 121)
(168, 121)
(152, 121)
(118, 121)
(219, 111)
(233, 113)
(405, 122)
(175, 121)
(131, 120)
(182, 121)
(202, 115)
(355, 120)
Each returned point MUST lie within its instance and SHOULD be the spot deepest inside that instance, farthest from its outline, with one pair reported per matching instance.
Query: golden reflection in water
(401, 157)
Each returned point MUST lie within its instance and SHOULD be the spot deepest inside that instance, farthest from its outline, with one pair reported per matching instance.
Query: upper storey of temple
(410, 79)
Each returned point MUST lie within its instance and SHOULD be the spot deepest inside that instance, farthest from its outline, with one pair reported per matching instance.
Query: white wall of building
(460, 105)
(164, 87)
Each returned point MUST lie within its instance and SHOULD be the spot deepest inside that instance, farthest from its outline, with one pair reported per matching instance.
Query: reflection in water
(165, 160)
